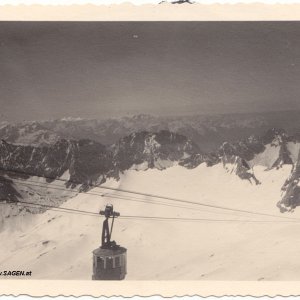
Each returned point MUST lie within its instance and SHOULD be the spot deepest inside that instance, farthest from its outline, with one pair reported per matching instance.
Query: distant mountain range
(207, 131)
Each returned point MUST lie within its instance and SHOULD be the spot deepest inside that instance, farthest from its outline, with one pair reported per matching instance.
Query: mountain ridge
(207, 131)
(89, 163)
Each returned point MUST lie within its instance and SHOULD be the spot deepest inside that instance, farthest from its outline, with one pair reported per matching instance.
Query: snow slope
(294, 149)
(266, 158)
(57, 245)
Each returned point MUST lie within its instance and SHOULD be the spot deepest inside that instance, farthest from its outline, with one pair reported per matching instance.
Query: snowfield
(58, 245)
(266, 158)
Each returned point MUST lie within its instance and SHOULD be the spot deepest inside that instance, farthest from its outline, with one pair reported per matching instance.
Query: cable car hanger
(109, 212)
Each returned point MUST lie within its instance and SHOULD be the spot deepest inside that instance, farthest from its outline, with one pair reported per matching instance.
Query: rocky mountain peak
(87, 162)
(291, 189)
(275, 137)
(148, 150)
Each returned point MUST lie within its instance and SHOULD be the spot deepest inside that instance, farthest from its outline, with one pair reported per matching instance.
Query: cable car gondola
(109, 260)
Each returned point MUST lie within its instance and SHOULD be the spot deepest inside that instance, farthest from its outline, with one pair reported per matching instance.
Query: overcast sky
(102, 69)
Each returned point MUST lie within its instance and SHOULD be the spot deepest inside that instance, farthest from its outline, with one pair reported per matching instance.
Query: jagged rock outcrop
(239, 167)
(195, 160)
(86, 161)
(159, 150)
(246, 149)
(272, 150)
(7, 191)
(279, 138)
(291, 189)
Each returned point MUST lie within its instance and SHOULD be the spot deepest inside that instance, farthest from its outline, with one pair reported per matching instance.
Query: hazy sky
(102, 69)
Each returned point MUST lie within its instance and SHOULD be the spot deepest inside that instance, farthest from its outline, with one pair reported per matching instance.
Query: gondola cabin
(109, 264)
(109, 260)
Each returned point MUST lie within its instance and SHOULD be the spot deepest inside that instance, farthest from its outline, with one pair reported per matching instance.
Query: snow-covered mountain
(84, 163)
(159, 150)
(207, 131)
(257, 173)
(34, 174)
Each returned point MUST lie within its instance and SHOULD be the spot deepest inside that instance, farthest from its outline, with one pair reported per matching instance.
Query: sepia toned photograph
(150, 150)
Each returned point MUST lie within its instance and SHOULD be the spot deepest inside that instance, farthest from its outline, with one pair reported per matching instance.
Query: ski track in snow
(57, 245)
